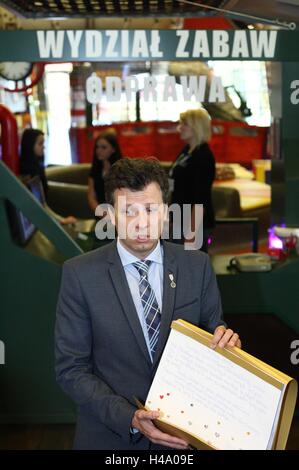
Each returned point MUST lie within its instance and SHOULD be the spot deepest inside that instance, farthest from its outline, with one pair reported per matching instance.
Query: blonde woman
(193, 172)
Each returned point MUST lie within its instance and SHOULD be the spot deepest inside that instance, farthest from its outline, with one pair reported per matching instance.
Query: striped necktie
(150, 305)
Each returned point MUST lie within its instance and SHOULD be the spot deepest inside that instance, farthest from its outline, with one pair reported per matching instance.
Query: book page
(202, 392)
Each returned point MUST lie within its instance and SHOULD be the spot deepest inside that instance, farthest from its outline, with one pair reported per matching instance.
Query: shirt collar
(127, 258)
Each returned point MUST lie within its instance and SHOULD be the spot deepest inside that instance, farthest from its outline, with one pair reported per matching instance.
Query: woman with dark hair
(32, 164)
(32, 156)
(106, 152)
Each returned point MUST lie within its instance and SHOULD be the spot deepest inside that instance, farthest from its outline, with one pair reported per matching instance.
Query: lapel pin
(172, 284)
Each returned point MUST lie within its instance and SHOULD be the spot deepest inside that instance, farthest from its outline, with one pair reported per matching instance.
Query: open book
(220, 399)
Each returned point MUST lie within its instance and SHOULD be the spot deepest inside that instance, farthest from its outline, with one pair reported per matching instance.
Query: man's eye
(151, 209)
(130, 212)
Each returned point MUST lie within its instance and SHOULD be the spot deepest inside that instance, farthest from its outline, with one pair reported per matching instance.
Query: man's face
(139, 217)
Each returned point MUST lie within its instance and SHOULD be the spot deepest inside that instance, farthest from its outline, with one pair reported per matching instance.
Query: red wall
(234, 142)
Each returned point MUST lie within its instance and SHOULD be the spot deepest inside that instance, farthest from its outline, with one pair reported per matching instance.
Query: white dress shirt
(155, 278)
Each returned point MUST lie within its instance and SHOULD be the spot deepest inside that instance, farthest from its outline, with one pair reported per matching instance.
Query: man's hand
(223, 337)
(142, 421)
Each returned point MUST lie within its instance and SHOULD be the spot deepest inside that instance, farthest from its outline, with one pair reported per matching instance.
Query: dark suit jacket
(102, 361)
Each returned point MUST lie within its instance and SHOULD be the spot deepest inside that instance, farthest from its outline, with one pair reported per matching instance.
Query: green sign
(136, 45)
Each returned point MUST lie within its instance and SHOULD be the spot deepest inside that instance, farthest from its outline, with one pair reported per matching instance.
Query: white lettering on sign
(201, 45)
(263, 42)
(183, 39)
(112, 35)
(125, 43)
(240, 46)
(113, 89)
(74, 38)
(216, 91)
(131, 86)
(220, 44)
(169, 89)
(149, 89)
(93, 44)
(194, 86)
(140, 46)
(94, 89)
(50, 44)
(154, 47)
(144, 44)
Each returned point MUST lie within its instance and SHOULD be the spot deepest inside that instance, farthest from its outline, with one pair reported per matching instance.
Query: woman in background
(106, 152)
(32, 156)
(193, 172)
(32, 164)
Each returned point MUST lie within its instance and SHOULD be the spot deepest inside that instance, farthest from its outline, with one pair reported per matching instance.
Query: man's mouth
(142, 238)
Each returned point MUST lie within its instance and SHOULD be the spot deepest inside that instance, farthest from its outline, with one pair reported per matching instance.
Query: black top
(193, 174)
(96, 173)
(34, 166)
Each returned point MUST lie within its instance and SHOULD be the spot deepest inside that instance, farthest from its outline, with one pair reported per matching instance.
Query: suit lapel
(170, 268)
(119, 281)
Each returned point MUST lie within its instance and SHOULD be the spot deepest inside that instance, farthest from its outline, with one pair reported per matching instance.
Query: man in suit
(115, 308)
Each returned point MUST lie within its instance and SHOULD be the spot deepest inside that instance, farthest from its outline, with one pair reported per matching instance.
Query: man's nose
(142, 219)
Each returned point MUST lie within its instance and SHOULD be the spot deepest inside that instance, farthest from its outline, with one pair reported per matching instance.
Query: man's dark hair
(135, 174)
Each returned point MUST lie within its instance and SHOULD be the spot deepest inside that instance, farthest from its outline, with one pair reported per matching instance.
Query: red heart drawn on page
(161, 396)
